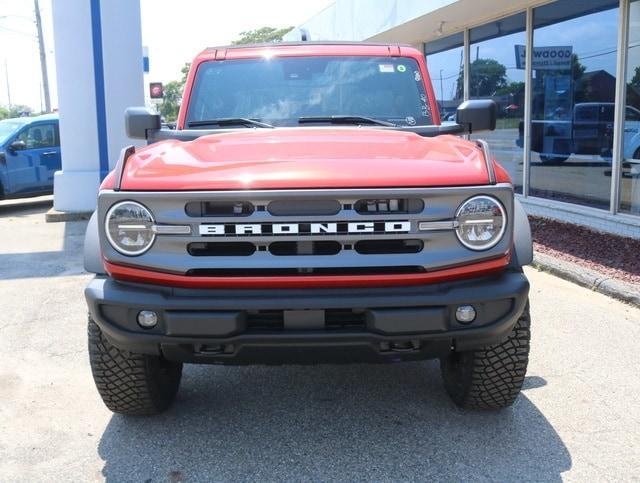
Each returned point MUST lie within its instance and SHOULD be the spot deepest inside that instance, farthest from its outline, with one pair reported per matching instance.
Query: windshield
(7, 128)
(281, 90)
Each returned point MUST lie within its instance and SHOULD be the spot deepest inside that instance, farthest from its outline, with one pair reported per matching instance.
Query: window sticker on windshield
(417, 76)
(386, 68)
(402, 68)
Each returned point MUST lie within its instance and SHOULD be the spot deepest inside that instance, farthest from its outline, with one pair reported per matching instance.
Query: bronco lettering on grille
(248, 229)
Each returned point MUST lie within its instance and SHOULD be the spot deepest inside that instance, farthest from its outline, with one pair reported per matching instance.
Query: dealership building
(565, 76)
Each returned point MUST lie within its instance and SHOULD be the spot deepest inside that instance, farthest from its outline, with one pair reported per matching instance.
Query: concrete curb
(587, 278)
(54, 216)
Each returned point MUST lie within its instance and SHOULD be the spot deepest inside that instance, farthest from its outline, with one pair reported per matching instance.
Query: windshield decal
(386, 68)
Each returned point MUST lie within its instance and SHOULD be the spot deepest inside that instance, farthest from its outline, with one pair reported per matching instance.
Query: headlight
(129, 228)
(481, 222)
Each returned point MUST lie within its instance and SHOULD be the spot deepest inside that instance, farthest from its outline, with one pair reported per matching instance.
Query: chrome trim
(171, 229)
(437, 225)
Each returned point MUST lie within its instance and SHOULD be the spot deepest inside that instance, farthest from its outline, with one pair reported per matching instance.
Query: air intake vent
(379, 247)
(389, 206)
(219, 208)
(305, 248)
(221, 249)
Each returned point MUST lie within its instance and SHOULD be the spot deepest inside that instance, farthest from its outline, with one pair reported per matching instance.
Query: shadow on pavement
(358, 422)
(30, 247)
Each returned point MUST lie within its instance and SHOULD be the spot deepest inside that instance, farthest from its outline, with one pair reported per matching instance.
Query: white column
(98, 53)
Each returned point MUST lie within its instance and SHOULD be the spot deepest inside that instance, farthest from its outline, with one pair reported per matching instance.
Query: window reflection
(497, 72)
(446, 68)
(573, 86)
(630, 182)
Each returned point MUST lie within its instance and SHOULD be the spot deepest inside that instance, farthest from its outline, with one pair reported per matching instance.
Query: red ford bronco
(309, 207)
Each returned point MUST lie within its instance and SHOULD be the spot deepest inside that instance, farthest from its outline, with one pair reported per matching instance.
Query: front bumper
(307, 325)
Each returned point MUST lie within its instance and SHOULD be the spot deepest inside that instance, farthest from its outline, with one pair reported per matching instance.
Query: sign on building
(155, 90)
(546, 58)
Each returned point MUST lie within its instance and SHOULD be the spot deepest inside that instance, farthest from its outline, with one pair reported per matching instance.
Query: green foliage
(15, 111)
(635, 80)
(171, 101)
(173, 95)
(262, 35)
(487, 76)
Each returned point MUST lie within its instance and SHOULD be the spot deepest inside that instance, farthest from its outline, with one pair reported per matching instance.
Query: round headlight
(481, 222)
(129, 228)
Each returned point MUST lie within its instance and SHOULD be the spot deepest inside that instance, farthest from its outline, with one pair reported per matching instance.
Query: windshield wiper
(343, 119)
(230, 121)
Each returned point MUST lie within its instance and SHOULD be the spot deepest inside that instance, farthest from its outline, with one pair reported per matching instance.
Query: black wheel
(490, 377)
(133, 384)
(549, 159)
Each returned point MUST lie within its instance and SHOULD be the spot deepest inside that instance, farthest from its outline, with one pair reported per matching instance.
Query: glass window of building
(630, 183)
(573, 95)
(496, 71)
(446, 68)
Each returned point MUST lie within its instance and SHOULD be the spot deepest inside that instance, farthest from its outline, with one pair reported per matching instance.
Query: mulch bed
(613, 256)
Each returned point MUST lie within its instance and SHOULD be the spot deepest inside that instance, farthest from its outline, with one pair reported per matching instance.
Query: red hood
(305, 158)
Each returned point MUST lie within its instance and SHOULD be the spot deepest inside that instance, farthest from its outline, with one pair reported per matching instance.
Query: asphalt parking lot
(577, 419)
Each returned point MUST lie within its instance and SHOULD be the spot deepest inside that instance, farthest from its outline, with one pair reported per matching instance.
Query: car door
(31, 164)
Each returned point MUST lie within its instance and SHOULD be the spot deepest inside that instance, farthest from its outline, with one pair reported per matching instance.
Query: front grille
(334, 320)
(306, 232)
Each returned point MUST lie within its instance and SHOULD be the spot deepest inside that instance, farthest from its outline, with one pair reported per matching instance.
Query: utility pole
(43, 59)
(6, 72)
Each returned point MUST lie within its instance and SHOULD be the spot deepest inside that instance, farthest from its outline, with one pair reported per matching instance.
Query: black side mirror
(17, 145)
(477, 115)
(139, 120)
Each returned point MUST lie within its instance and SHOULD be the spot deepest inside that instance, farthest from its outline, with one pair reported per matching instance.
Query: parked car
(29, 155)
(589, 130)
(309, 207)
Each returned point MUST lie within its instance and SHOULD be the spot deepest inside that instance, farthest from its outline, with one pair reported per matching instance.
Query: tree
(635, 80)
(486, 77)
(173, 95)
(262, 35)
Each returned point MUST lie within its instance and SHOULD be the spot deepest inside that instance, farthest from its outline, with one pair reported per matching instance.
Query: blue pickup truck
(29, 155)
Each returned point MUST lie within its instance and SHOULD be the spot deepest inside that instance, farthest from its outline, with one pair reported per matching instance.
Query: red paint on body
(297, 158)
(139, 275)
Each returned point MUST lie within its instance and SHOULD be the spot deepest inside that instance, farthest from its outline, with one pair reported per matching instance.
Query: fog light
(147, 319)
(465, 314)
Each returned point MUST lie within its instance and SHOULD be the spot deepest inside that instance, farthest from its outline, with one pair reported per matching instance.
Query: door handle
(50, 153)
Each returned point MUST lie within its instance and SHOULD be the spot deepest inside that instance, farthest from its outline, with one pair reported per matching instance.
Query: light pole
(43, 58)
(441, 90)
(6, 72)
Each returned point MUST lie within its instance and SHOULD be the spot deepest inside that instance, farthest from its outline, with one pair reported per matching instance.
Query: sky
(174, 35)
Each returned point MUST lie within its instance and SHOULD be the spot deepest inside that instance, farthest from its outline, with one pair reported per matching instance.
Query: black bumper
(308, 325)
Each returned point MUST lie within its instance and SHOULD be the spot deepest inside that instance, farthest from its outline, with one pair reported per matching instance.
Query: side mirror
(139, 120)
(17, 145)
(477, 115)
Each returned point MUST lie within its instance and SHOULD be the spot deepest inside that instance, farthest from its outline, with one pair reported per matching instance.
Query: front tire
(490, 377)
(129, 383)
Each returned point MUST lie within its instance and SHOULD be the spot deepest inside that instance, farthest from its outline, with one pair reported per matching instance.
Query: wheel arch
(522, 241)
(92, 253)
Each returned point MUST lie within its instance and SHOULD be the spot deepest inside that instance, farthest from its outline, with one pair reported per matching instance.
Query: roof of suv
(304, 44)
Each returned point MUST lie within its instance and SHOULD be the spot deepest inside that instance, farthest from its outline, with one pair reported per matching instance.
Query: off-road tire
(129, 383)
(490, 377)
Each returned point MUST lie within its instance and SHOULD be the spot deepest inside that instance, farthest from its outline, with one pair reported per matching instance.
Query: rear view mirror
(477, 115)
(139, 120)
(18, 145)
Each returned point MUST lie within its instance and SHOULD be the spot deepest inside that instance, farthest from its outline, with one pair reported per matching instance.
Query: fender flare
(522, 241)
(92, 253)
